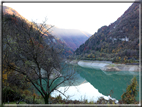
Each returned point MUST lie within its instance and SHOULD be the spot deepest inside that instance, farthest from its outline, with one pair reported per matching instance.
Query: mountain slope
(14, 16)
(73, 38)
(118, 42)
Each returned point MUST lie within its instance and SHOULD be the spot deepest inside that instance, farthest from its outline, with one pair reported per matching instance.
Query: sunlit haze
(83, 16)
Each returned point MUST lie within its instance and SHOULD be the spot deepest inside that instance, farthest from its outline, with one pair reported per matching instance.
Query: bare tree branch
(27, 50)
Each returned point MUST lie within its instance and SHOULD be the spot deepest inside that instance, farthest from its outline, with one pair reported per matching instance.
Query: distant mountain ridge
(12, 15)
(73, 38)
(118, 41)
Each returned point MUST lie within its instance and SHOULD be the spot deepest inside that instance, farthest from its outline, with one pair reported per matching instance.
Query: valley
(42, 62)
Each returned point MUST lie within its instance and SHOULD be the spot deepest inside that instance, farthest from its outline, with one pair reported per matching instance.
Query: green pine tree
(131, 92)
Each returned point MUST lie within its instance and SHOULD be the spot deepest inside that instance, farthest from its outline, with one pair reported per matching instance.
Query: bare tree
(24, 45)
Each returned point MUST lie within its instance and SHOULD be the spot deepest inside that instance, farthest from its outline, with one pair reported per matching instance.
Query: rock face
(124, 67)
(94, 64)
(120, 67)
(110, 69)
(105, 65)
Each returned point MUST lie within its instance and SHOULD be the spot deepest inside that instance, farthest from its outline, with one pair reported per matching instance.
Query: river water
(93, 83)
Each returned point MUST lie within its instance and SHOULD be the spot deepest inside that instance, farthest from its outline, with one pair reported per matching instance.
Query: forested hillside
(30, 54)
(33, 67)
(118, 42)
(13, 16)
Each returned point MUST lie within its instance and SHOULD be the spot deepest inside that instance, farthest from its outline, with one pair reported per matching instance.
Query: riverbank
(104, 65)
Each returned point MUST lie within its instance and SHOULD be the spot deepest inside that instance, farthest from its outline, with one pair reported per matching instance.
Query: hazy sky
(84, 16)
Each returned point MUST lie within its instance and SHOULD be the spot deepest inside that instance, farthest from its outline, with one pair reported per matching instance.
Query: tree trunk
(46, 99)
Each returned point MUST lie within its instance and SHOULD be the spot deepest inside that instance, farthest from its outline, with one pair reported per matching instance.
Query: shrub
(8, 94)
(101, 100)
(128, 97)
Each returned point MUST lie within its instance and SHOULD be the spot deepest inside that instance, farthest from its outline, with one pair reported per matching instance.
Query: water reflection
(95, 82)
(121, 73)
(113, 83)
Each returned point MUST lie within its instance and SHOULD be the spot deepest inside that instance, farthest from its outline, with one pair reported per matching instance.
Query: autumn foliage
(129, 97)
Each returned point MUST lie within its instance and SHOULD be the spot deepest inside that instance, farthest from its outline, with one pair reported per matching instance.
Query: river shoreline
(104, 65)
